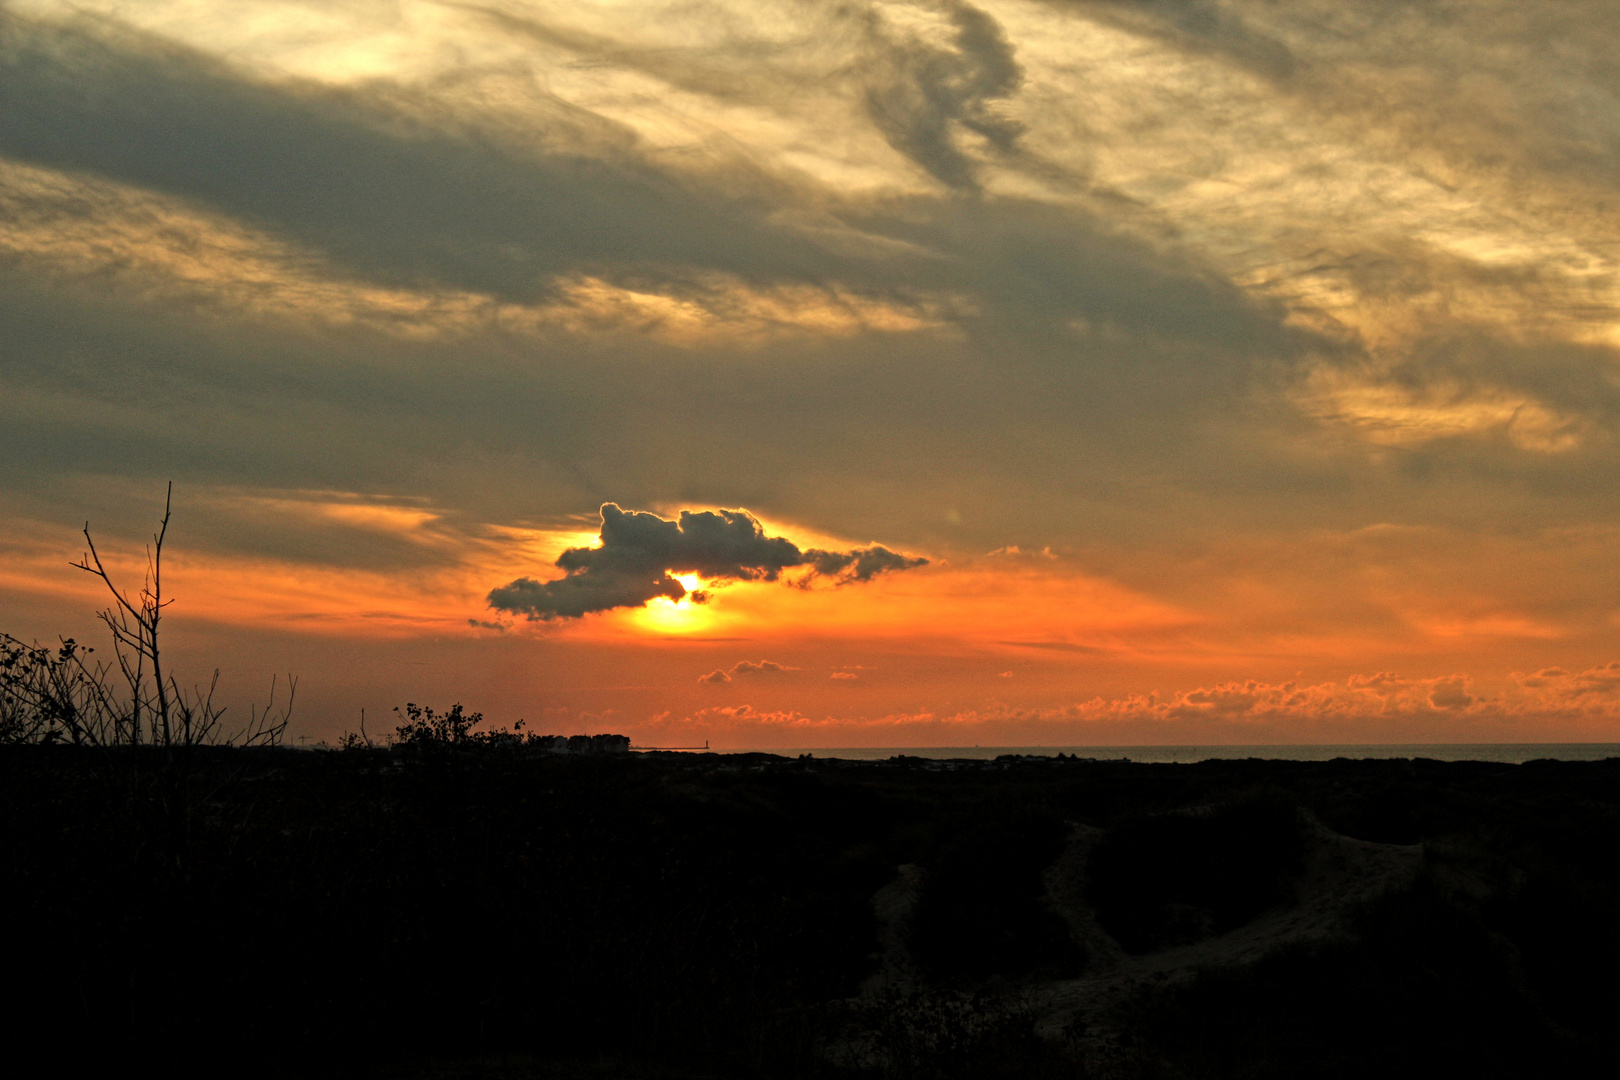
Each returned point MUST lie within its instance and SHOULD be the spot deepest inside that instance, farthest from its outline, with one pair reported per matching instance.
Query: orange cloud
(1589, 689)
(745, 669)
(1381, 707)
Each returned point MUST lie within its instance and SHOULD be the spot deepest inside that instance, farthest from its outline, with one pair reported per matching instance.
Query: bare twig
(56, 695)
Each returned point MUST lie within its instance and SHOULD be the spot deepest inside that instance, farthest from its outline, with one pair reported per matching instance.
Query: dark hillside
(366, 911)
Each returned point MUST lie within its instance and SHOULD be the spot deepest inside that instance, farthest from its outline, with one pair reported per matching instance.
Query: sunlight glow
(684, 616)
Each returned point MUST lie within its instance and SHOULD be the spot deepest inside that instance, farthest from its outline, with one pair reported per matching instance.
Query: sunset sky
(1033, 371)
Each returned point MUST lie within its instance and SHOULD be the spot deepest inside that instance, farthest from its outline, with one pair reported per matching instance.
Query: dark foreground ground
(495, 913)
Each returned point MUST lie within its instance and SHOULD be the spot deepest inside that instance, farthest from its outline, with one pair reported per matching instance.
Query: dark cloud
(1205, 27)
(862, 564)
(715, 544)
(393, 188)
(1451, 693)
(919, 93)
(764, 667)
(640, 551)
(1466, 80)
(1056, 646)
(573, 597)
(388, 185)
(745, 669)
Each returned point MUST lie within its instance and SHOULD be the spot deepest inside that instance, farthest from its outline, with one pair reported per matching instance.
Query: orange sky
(1243, 372)
(1004, 648)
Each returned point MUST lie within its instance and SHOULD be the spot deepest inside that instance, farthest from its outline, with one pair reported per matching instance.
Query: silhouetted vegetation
(920, 1036)
(983, 912)
(1428, 987)
(1175, 878)
(427, 731)
(51, 694)
(146, 751)
(375, 911)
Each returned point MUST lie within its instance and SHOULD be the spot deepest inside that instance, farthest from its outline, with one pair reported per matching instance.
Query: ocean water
(1511, 753)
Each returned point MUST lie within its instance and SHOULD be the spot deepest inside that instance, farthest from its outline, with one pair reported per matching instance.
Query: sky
(804, 374)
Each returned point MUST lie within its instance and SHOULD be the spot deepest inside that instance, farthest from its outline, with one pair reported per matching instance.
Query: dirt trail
(893, 905)
(1340, 873)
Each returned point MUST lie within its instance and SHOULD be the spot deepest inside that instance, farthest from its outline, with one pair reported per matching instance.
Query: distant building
(584, 744)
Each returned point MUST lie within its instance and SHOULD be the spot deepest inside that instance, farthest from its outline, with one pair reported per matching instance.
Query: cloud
(845, 675)
(640, 551)
(461, 211)
(1232, 710)
(1055, 646)
(1200, 27)
(764, 667)
(745, 669)
(1451, 693)
(918, 92)
(317, 224)
(1590, 687)
(1237, 705)
(1366, 708)
(862, 564)
(1544, 677)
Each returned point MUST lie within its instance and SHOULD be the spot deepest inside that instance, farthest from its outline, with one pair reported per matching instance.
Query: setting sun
(662, 615)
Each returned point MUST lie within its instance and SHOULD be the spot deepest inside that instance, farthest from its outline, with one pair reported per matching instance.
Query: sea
(1510, 753)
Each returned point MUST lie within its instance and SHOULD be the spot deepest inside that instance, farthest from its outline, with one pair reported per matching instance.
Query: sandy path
(1339, 875)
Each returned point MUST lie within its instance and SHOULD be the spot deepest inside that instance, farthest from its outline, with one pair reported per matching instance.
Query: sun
(662, 615)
